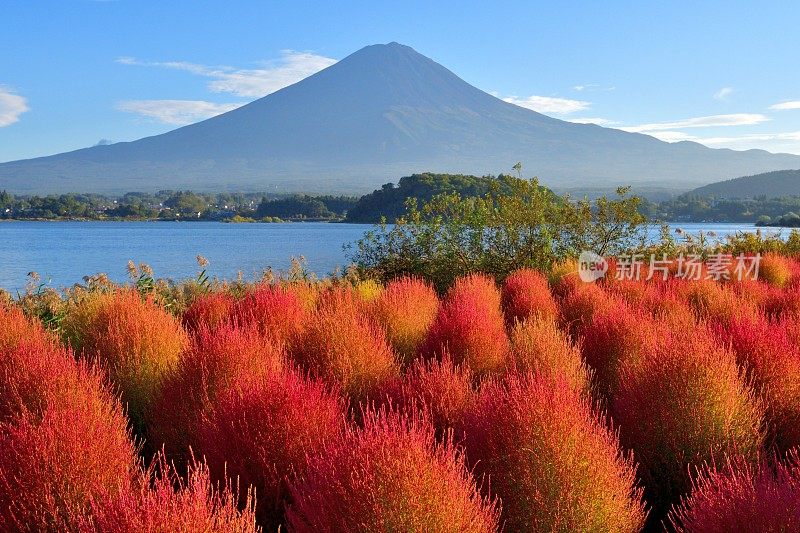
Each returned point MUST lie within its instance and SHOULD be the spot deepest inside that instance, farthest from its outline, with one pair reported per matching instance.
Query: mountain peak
(383, 112)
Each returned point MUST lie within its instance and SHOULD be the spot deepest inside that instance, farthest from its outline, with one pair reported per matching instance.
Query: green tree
(516, 224)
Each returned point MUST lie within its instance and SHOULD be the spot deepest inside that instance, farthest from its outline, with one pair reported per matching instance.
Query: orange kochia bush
(208, 311)
(683, 404)
(134, 339)
(343, 346)
(406, 308)
(526, 294)
(391, 475)
(553, 464)
(539, 346)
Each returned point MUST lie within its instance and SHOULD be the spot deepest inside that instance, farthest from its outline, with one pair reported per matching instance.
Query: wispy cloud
(12, 106)
(588, 87)
(713, 121)
(176, 112)
(723, 94)
(272, 75)
(783, 106)
(788, 142)
(549, 104)
(593, 120)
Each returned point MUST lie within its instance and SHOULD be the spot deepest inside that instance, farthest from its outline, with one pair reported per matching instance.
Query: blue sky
(75, 72)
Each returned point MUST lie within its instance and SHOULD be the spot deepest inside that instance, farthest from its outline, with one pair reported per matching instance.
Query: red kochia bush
(538, 346)
(63, 439)
(616, 335)
(526, 294)
(209, 311)
(344, 347)
(683, 404)
(553, 464)
(470, 326)
(196, 506)
(262, 431)
(580, 304)
(406, 308)
(389, 476)
(215, 361)
(278, 311)
(772, 363)
(136, 341)
(440, 388)
(739, 497)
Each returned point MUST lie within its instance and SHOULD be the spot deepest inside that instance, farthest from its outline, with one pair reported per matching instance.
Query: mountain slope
(770, 184)
(383, 112)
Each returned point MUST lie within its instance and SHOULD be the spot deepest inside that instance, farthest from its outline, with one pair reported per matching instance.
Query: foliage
(516, 224)
(553, 464)
(389, 476)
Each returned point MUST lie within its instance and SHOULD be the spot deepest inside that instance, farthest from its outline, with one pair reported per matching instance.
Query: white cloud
(593, 87)
(723, 94)
(598, 121)
(176, 112)
(735, 119)
(273, 75)
(783, 106)
(548, 104)
(11, 106)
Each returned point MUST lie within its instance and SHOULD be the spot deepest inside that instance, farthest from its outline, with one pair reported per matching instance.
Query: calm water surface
(63, 252)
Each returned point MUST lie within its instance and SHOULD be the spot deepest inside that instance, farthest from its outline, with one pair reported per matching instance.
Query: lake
(63, 252)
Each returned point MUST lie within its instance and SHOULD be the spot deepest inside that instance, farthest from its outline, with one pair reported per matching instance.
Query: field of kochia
(537, 403)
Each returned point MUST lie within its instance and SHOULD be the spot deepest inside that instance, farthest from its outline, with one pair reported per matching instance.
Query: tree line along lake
(62, 253)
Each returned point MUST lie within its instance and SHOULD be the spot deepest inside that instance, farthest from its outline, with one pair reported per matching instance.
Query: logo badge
(591, 266)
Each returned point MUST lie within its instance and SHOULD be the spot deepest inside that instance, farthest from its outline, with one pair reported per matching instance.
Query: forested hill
(770, 185)
(389, 201)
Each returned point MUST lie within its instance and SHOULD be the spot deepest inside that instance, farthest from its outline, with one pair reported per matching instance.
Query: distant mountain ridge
(770, 184)
(383, 112)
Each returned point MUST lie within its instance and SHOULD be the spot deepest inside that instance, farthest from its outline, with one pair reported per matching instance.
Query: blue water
(64, 252)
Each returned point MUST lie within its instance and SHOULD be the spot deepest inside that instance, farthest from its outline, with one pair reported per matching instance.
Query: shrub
(739, 497)
(278, 312)
(208, 310)
(683, 405)
(263, 430)
(215, 361)
(580, 304)
(136, 341)
(63, 439)
(406, 309)
(772, 364)
(439, 388)
(538, 346)
(526, 294)
(15, 328)
(389, 476)
(553, 464)
(196, 505)
(613, 337)
(342, 346)
(713, 301)
(470, 326)
(774, 269)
